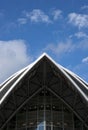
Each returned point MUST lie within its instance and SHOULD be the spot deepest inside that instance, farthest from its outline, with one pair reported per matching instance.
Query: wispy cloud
(57, 14)
(60, 48)
(84, 7)
(83, 45)
(85, 60)
(13, 56)
(36, 16)
(81, 35)
(67, 47)
(22, 20)
(79, 20)
(1, 14)
(39, 16)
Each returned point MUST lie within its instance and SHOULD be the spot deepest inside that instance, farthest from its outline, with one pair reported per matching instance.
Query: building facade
(44, 96)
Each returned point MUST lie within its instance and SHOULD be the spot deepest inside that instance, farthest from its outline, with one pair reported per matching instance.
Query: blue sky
(30, 27)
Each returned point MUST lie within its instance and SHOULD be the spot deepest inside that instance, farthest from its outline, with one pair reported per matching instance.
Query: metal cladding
(44, 72)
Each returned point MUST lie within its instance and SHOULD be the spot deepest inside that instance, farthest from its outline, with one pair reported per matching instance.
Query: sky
(29, 28)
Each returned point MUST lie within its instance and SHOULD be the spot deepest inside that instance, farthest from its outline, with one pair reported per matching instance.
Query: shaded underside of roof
(44, 73)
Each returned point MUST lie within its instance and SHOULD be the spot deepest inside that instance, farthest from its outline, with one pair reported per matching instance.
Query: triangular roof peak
(68, 74)
(44, 55)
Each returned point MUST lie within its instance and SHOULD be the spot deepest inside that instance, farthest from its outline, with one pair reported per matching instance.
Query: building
(44, 96)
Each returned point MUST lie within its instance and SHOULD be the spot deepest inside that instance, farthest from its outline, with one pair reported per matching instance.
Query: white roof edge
(31, 65)
(62, 70)
(73, 74)
(28, 68)
(12, 78)
(77, 77)
(18, 72)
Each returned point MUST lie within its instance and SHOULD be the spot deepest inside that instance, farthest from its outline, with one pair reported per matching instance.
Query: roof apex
(43, 55)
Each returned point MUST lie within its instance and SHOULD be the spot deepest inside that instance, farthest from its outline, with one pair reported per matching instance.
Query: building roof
(9, 84)
(77, 85)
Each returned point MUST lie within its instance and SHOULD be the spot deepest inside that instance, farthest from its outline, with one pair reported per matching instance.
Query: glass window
(45, 110)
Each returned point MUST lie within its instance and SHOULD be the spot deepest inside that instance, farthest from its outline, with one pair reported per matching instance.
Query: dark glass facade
(45, 111)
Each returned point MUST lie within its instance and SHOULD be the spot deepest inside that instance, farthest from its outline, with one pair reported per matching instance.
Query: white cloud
(37, 15)
(13, 56)
(79, 20)
(60, 48)
(81, 35)
(85, 60)
(57, 14)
